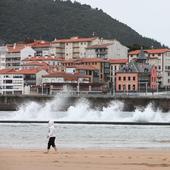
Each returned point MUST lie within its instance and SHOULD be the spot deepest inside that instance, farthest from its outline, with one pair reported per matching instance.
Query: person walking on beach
(51, 136)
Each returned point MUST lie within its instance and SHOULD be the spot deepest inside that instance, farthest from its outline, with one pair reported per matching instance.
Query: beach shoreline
(83, 159)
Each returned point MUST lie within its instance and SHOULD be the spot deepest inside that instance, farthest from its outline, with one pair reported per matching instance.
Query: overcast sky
(150, 18)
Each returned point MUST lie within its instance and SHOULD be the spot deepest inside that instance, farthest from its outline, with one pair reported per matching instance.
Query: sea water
(84, 136)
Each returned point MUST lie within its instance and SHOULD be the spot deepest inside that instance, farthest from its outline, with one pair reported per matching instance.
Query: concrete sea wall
(12, 103)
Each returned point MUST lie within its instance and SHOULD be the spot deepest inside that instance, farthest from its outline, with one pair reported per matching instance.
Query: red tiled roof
(23, 71)
(7, 71)
(16, 48)
(46, 58)
(40, 44)
(99, 46)
(136, 52)
(118, 61)
(83, 67)
(74, 39)
(34, 63)
(150, 51)
(27, 71)
(157, 51)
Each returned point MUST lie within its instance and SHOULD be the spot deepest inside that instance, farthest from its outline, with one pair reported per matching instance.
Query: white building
(15, 53)
(11, 82)
(114, 49)
(3, 53)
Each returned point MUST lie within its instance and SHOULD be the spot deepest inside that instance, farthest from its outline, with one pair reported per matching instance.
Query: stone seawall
(12, 103)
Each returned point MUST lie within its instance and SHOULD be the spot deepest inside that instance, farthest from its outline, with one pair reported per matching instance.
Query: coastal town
(82, 66)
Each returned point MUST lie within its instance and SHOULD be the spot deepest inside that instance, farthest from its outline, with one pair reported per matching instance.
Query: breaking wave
(82, 111)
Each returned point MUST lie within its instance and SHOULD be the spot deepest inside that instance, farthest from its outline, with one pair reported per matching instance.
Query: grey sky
(150, 18)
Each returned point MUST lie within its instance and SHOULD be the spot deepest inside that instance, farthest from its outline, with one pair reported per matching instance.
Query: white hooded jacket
(51, 131)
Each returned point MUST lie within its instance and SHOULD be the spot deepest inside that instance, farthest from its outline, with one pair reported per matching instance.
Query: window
(120, 78)
(129, 87)
(124, 78)
(119, 87)
(129, 78)
(134, 87)
(134, 78)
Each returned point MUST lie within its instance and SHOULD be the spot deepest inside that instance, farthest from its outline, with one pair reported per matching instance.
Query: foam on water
(82, 111)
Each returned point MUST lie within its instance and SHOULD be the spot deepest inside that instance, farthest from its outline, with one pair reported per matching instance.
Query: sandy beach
(83, 159)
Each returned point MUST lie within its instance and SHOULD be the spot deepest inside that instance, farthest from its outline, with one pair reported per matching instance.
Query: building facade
(11, 82)
(114, 49)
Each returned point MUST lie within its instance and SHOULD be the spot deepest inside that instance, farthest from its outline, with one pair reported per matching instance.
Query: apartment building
(102, 66)
(14, 53)
(50, 60)
(41, 47)
(11, 82)
(114, 49)
(83, 70)
(3, 53)
(73, 48)
(160, 58)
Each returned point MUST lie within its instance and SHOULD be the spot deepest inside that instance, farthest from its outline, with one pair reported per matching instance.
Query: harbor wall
(12, 103)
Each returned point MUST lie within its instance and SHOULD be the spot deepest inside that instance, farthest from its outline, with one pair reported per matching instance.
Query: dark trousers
(51, 142)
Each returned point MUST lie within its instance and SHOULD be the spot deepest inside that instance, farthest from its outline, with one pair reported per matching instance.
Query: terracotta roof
(150, 51)
(7, 71)
(46, 58)
(99, 46)
(16, 48)
(73, 39)
(158, 51)
(118, 61)
(35, 63)
(83, 67)
(27, 71)
(40, 44)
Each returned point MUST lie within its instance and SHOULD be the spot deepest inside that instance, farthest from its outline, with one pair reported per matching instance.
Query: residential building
(102, 66)
(115, 66)
(73, 48)
(32, 77)
(84, 70)
(15, 53)
(42, 48)
(3, 53)
(137, 76)
(160, 58)
(114, 49)
(64, 82)
(11, 82)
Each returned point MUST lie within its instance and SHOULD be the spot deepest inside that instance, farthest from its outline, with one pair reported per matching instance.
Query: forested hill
(49, 19)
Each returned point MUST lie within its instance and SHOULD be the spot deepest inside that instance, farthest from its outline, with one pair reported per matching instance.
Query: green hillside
(49, 19)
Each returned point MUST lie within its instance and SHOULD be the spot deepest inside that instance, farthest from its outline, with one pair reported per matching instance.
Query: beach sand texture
(136, 159)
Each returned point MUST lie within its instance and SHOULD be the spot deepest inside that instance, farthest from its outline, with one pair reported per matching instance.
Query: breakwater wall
(12, 103)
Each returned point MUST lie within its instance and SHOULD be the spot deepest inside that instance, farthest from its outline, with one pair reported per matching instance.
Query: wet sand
(84, 159)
